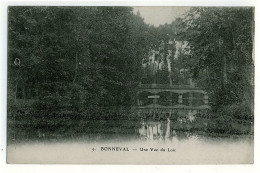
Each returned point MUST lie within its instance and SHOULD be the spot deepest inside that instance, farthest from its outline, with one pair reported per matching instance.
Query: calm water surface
(173, 147)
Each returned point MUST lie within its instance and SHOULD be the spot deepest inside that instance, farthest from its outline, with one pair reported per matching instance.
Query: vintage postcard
(130, 85)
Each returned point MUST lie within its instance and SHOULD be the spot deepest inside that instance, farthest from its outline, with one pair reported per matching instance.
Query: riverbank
(61, 126)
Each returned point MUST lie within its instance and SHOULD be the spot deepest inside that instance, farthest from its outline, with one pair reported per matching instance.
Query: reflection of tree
(155, 130)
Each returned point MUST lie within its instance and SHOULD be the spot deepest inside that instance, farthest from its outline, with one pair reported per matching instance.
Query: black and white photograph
(150, 85)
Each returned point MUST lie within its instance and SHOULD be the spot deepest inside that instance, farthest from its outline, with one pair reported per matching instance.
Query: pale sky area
(160, 15)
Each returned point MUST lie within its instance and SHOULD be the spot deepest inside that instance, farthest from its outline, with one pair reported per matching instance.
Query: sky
(160, 15)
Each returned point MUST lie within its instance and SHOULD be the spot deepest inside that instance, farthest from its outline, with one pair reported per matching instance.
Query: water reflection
(167, 126)
(168, 133)
(154, 130)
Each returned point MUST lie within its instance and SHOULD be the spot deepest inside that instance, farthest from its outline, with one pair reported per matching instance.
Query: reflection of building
(155, 130)
(158, 100)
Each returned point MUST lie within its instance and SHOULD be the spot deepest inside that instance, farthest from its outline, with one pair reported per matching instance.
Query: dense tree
(78, 56)
(158, 64)
(220, 43)
(89, 57)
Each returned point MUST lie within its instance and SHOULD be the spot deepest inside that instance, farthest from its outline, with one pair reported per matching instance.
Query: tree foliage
(89, 56)
(220, 43)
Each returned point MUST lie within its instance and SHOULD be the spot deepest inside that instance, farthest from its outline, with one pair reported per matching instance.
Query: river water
(153, 142)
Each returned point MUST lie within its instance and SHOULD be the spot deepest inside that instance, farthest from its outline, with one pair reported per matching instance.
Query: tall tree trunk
(169, 69)
(37, 92)
(76, 68)
(24, 94)
(224, 70)
(224, 61)
(153, 72)
(15, 92)
(16, 85)
(158, 67)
